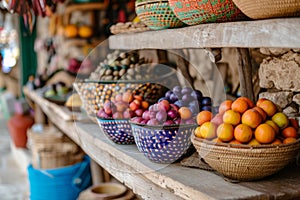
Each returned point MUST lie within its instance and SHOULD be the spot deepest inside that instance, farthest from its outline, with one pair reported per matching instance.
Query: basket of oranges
(246, 141)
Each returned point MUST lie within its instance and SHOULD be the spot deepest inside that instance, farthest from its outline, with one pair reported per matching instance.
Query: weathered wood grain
(282, 32)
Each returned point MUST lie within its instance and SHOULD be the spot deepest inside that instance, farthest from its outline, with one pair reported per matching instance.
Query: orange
(225, 105)
(243, 133)
(217, 140)
(232, 117)
(294, 123)
(225, 132)
(254, 142)
(262, 113)
(70, 31)
(274, 126)
(85, 31)
(277, 141)
(239, 105)
(289, 140)
(249, 101)
(235, 142)
(204, 116)
(264, 134)
(208, 130)
(289, 132)
(252, 118)
(268, 106)
(281, 120)
(197, 132)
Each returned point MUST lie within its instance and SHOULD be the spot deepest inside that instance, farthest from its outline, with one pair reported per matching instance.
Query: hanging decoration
(29, 9)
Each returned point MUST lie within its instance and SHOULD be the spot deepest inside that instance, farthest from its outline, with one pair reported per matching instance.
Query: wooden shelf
(282, 33)
(156, 181)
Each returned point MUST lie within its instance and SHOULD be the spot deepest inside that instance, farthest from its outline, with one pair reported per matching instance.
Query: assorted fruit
(243, 122)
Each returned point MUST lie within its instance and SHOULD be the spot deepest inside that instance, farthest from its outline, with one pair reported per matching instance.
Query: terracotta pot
(17, 126)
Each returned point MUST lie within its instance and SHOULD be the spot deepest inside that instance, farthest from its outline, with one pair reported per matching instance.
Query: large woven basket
(157, 14)
(243, 162)
(193, 12)
(262, 9)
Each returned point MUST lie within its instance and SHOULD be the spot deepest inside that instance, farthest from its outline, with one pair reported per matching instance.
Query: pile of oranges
(243, 122)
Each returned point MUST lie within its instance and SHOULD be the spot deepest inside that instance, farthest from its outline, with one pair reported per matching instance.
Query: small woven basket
(193, 12)
(243, 162)
(263, 9)
(163, 144)
(117, 130)
(157, 14)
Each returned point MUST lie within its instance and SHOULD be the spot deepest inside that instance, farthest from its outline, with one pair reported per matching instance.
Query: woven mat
(195, 162)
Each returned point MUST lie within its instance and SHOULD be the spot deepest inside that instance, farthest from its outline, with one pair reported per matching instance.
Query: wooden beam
(245, 73)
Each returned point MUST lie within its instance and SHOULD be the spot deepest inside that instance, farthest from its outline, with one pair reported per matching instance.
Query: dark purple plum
(161, 116)
(197, 94)
(177, 90)
(172, 114)
(208, 108)
(186, 90)
(153, 122)
(173, 98)
(206, 101)
(187, 98)
(168, 94)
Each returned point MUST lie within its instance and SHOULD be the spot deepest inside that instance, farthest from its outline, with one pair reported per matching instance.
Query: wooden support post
(245, 73)
(183, 65)
(97, 173)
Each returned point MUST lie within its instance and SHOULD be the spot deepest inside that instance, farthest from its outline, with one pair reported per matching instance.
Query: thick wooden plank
(157, 181)
(282, 32)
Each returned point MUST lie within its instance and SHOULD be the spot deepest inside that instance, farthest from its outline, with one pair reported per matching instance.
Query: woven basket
(193, 12)
(157, 14)
(117, 130)
(163, 144)
(94, 93)
(262, 9)
(243, 162)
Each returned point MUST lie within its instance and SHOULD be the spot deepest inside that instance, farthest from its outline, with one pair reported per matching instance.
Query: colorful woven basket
(117, 130)
(244, 162)
(193, 12)
(157, 14)
(262, 9)
(162, 144)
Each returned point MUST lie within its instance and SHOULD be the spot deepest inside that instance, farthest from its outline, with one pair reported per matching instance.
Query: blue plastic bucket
(61, 183)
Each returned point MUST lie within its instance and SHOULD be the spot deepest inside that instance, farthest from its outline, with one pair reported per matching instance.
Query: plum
(152, 122)
(172, 114)
(168, 123)
(168, 94)
(186, 90)
(163, 105)
(137, 119)
(208, 108)
(187, 98)
(197, 95)
(146, 114)
(161, 116)
(206, 101)
(177, 90)
(139, 112)
(173, 98)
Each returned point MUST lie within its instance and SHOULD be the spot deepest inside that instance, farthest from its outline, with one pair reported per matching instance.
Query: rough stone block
(281, 73)
(291, 110)
(281, 98)
(274, 51)
(296, 99)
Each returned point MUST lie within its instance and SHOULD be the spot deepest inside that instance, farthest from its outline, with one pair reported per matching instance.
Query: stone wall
(279, 75)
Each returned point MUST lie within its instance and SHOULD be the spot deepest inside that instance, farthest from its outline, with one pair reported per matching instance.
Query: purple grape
(187, 98)
(152, 114)
(206, 101)
(177, 121)
(173, 98)
(137, 119)
(177, 90)
(172, 114)
(208, 108)
(197, 94)
(168, 123)
(152, 122)
(168, 94)
(145, 121)
(161, 116)
(102, 114)
(151, 108)
(186, 90)
(146, 115)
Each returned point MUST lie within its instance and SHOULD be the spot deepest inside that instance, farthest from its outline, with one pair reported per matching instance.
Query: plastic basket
(244, 162)
(193, 12)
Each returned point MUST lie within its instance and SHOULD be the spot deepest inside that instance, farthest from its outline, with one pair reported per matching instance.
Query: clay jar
(17, 126)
